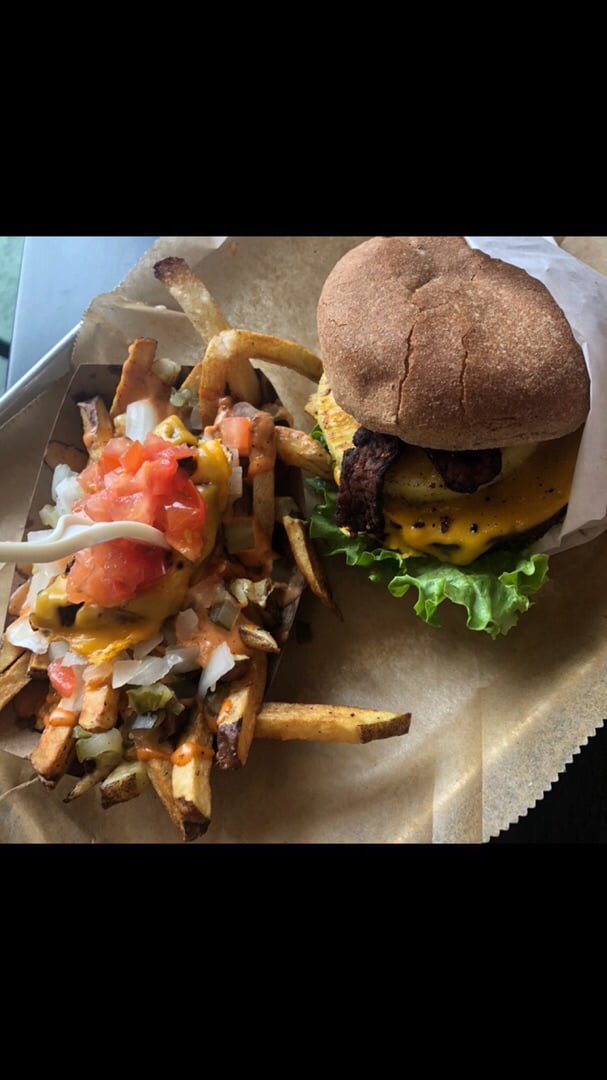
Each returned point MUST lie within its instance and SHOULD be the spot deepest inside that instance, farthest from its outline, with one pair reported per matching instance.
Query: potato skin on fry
(328, 723)
(139, 382)
(13, 679)
(161, 776)
(308, 561)
(53, 754)
(99, 709)
(96, 426)
(303, 452)
(238, 714)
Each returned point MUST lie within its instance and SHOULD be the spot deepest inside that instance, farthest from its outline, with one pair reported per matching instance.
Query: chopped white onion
(68, 492)
(167, 370)
(143, 648)
(38, 534)
(49, 515)
(186, 658)
(73, 660)
(186, 624)
(235, 483)
(21, 635)
(61, 473)
(141, 419)
(96, 675)
(45, 573)
(57, 650)
(140, 672)
(220, 662)
(195, 421)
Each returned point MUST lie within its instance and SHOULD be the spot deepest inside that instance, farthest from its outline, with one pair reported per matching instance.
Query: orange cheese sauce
(62, 718)
(183, 755)
(460, 530)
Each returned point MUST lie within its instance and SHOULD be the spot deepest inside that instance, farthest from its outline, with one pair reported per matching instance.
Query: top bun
(424, 338)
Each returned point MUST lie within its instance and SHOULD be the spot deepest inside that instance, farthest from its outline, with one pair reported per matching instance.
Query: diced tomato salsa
(143, 482)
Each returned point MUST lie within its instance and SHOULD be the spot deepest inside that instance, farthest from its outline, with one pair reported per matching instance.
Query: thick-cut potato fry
(254, 637)
(88, 781)
(160, 774)
(245, 344)
(96, 426)
(99, 709)
(17, 599)
(218, 370)
(13, 679)
(192, 781)
(52, 756)
(227, 360)
(58, 453)
(308, 561)
(124, 783)
(8, 654)
(50, 702)
(263, 502)
(301, 450)
(138, 382)
(29, 700)
(192, 296)
(38, 665)
(328, 723)
(236, 720)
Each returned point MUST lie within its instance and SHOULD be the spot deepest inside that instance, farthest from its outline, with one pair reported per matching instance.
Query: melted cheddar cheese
(101, 633)
(423, 517)
(461, 530)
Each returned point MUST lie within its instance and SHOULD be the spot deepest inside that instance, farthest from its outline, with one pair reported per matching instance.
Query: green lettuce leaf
(494, 590)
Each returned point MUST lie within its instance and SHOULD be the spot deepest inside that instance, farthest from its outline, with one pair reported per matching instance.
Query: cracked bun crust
(424, 338)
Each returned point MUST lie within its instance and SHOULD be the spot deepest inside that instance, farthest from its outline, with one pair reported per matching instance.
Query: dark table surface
(59, 276)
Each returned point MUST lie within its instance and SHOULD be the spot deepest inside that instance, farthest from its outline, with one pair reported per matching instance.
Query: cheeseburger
(452, 403)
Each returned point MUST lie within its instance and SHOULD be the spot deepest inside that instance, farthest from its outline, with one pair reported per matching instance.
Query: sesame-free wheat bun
(424, 338)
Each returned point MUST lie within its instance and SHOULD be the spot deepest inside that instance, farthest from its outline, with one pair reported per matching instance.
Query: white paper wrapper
(581, 292)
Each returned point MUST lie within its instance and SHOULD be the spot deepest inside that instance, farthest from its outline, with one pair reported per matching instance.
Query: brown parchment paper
(494, 723)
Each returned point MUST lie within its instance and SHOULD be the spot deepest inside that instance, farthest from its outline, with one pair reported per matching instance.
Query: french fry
(50, 702)
(160, 774)
(13, 679)
(52, 756)
(38, 665)
(58, 453)
(8, 654)
(192, 781)
(308, 561)
(97, 427)
(138, 382)
(303, 452)
(192, 296)
(227, 360)
(254, 637)
(263, 502)
(238, 345)
(29, 700)
(124, 783)
(236, 720)
(99, 709)
(328, 723)
(17, 599)
(88, 781)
